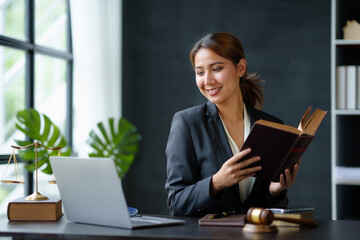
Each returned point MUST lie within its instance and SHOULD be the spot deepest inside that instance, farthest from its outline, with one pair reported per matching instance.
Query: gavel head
(260, 216)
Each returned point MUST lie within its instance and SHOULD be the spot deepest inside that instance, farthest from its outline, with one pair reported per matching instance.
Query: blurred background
(94, 59)
(286, 42)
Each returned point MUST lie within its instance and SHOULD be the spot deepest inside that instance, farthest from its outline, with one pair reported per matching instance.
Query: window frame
(31, 48)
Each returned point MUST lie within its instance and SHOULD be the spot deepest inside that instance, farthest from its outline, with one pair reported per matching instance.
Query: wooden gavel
(263, 216)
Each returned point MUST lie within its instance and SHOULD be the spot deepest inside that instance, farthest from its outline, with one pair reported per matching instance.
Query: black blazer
(197, 148)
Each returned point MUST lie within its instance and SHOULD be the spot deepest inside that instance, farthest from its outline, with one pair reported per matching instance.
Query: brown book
(296, 215)
(281, 146)
(236, 220)
(45, 210)
(308, 215)
(280, 223)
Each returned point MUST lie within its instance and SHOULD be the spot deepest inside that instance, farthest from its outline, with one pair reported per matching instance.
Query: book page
(314, 121)
(279, 126)
(310, 123)
(301, 126)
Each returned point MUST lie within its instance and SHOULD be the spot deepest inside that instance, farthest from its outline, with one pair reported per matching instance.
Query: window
(35, 71)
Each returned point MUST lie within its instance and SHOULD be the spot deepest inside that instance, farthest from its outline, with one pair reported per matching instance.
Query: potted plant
(39, 127)
(118, 141)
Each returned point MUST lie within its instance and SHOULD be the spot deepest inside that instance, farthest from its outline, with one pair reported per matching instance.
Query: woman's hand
(233, 171)
(285, 181)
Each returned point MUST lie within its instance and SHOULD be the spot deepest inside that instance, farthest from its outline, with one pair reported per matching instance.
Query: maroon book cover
(281, 146)
(278, 149)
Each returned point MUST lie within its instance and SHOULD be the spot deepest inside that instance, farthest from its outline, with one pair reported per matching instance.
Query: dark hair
(229, 47)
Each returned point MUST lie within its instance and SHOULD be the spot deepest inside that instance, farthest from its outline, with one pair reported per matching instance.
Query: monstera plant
(39, 127)
(119, 143)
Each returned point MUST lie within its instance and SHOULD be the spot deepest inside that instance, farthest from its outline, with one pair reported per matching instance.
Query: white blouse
(246, 185)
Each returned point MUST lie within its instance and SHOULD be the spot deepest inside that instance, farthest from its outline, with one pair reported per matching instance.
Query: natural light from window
(50, 84)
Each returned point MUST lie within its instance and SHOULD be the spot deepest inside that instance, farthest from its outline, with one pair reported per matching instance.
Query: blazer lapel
(253, 116)
(220, 137)
(216, 124)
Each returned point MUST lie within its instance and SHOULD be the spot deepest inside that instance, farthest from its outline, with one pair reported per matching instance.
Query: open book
(281, 146)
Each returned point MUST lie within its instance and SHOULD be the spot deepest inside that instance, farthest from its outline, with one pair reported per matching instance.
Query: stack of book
(348, 87)
(297, 213)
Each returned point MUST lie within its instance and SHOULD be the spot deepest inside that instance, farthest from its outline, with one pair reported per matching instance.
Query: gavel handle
(304, 222)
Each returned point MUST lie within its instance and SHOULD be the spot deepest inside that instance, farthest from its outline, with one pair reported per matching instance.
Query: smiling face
(218, 78)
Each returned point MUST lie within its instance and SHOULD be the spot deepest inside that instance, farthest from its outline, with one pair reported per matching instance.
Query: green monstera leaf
(39, 127)
(120, 144)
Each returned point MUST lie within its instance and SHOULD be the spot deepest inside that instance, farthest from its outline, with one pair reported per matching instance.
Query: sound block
(259, 228)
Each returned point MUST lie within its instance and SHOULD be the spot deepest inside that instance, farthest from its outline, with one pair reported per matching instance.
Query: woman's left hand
(285, 181)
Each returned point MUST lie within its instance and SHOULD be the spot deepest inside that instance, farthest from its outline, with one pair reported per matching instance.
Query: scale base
(259, 228)
(36, 196)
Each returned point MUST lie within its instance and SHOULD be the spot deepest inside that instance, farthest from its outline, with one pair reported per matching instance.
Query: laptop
(92, 193)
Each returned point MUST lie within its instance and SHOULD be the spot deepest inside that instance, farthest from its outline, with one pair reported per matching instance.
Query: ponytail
(251, 90)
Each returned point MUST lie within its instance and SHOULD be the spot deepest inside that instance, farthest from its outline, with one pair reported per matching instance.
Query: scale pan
(12, 181)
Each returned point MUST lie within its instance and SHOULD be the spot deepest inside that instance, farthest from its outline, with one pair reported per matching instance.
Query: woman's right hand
(233, 171)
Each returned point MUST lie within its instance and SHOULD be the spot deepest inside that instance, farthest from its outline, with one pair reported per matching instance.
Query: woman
(205, 174)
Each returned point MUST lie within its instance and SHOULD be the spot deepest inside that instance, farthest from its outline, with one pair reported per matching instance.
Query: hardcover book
(351, 87)
(306, 214)
(341, 87)
(45, 210)
(281, 146)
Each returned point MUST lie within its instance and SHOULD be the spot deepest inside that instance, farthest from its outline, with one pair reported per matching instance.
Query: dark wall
(286, 42)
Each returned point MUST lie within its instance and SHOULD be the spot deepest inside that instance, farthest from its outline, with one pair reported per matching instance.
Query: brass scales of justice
(36, 196)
